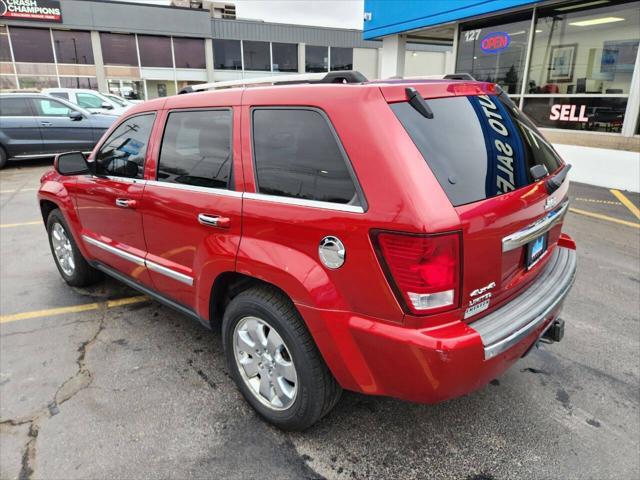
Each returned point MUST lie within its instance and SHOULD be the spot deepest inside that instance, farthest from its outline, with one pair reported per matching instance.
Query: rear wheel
(3, 158)
(274, 360)
(71, 264)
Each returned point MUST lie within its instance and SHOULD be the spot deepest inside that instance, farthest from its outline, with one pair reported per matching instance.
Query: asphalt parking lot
(101, 383)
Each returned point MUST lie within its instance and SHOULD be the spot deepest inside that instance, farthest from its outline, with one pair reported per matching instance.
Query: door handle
(46, 124)
(214, 220)
(125, 203)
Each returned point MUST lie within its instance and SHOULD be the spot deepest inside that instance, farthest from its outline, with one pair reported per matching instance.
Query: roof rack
(346, 76)
(447, 76)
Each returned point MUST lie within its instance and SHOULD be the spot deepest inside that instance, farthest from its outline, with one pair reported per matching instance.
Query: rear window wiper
(418, 102)
(553, 183)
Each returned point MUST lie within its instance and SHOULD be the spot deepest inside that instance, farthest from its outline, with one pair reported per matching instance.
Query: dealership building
(573, 66)
(147, 51)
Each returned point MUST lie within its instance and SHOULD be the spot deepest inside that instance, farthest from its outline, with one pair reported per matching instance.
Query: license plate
(535, 250)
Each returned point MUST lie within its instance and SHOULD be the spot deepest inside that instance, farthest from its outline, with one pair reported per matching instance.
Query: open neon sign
(495, 42)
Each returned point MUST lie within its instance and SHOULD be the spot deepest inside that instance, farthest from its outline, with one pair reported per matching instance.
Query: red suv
(398, 238)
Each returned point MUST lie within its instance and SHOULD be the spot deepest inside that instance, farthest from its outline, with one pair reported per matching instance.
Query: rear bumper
(434, 364)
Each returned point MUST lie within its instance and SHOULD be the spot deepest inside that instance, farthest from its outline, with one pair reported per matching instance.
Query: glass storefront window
(256, 55)
(32, 45)
(189, 52)
(341, 58)
(317, 58)
(128, 89)
(589, 50)
(603, 114)
(226, 55)
(285, 57)
(160, 88)
(155, 51)
(38, 82)
(495, 52)
(73, 47)
(5, 50)
(8, 82)
(119, 49)
(79, 82)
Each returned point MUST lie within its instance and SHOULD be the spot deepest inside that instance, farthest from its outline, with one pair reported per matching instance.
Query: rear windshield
(478, 147)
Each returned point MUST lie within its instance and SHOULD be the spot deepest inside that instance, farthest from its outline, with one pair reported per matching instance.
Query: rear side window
(297, 155)
(123, 153)
(478, 147)
(196, 149)
(14, 107)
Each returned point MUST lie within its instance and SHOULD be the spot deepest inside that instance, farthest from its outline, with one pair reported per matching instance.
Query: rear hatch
(482, 149)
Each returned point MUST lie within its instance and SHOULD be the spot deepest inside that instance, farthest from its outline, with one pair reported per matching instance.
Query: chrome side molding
(155, 267)
(530, 232)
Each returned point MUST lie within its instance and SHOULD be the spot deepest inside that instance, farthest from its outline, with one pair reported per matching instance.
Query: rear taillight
(424, 270)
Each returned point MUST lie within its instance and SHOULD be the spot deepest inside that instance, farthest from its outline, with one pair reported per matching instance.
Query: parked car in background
(123, 102)
(88, 99)
(399, 238)
(37, 125)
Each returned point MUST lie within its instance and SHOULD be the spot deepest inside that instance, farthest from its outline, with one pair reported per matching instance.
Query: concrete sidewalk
(602, 167)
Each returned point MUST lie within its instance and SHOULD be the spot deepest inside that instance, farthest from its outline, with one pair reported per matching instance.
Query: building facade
(143, 51)
(573, 66)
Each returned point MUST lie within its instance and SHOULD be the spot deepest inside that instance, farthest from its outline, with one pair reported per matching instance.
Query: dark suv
(35, 125)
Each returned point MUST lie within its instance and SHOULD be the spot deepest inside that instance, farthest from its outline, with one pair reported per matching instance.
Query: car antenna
(418, 102)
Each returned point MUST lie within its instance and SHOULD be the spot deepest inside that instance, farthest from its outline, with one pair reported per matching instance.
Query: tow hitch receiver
(556, 331)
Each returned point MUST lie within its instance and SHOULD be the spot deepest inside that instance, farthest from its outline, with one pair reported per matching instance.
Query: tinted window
(189, 52)
(285, 57)
(478, 146)
(341, 58)
(63, 95)
(196, 149)
(51, 108)
(296, 155)
(87, 100)
(31, 44)
(5, 51)
(14, 107)
(316, 58)
(73, 47)
(79, 82)
(118, 49)
(155, 51)
(226, 54)
(256, 55)
(123, 153)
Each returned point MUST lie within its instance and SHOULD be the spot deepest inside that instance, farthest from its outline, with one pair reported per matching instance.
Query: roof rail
(346, 76)
(447, 76)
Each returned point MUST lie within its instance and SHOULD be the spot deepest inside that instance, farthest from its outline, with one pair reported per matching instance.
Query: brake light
(424, 270)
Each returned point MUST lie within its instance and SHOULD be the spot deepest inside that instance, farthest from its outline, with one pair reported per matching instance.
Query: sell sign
(33, 10)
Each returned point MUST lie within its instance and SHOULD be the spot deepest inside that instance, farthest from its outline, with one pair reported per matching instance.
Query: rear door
(192, 204)
(19, 131)
(481, 149)
(59, 132)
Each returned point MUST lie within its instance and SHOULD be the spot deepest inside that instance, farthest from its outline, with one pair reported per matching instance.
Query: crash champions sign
(38, 10)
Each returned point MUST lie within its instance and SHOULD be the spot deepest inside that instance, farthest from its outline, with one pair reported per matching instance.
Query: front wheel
(71, 264)
(274, 360)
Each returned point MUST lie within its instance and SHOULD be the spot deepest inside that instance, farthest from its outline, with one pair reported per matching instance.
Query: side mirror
(107, 106)
(72, 163)
(75, 115)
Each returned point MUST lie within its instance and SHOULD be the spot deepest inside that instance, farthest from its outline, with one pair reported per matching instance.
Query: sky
(324, 13)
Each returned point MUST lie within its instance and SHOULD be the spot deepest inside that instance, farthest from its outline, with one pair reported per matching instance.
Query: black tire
(3, 158)
(83, 274)
(317, 390)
